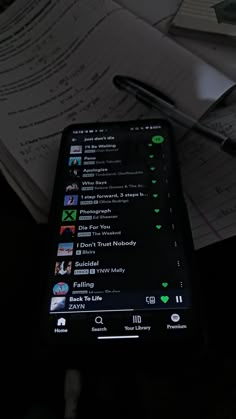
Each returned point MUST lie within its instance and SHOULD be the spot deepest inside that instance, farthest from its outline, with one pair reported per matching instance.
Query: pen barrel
(217, 137)
(153, 98)
(225, 143)
(176, 114)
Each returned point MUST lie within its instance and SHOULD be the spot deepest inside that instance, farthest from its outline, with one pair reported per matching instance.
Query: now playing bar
(147, 300)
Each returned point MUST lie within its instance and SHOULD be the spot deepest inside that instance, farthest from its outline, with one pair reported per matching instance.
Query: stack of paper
(58, 60)
(215, 17)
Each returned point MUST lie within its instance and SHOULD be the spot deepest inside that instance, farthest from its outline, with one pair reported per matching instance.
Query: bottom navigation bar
(118, 337)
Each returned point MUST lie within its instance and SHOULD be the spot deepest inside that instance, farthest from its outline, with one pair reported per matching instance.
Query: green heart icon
(155, 195)
(165, 284)
(164, 298)
(152, 168)
(151, 156)
(156, 210)
(154, 181)
(158, 226)
(158, 139)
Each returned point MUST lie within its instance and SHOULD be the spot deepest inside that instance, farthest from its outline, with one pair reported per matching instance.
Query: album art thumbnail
(63, 267)
(75, 161)
(76, 149)
(70, 200)
(72, 187)
(61, 288)
(65, 249)
(57, 303)
(67, 233)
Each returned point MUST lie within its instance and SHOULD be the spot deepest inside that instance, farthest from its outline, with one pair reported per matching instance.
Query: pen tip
(229, 146)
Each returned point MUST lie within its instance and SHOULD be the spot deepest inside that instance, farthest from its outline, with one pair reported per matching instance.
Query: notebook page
(209, 181)
(207, 15)
(36, 212)
(219, 55)
(13, 14)
(61, 71)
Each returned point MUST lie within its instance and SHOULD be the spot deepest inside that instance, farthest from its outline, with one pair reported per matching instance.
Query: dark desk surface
(23, 244)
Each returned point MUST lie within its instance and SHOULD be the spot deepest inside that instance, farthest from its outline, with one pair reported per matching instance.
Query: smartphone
(121, 268)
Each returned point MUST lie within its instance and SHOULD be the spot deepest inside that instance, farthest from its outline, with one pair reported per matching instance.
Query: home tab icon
(61, 321)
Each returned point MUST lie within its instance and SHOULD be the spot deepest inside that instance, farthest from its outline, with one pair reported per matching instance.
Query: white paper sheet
(153, 11)
(219, 55)
(60, 69)
(209, 180)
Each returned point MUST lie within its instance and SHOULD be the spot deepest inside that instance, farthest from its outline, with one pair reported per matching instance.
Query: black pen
(160, 101)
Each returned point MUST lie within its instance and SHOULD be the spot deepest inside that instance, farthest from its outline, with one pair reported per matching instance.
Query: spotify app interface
(119, 268)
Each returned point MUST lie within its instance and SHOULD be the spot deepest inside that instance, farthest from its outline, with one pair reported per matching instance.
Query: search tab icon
(98, 320)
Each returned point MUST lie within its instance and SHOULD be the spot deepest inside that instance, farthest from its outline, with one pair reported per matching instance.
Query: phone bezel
(106, 348)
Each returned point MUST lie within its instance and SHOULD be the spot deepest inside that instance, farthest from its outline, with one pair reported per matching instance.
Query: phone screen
(120, 257)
